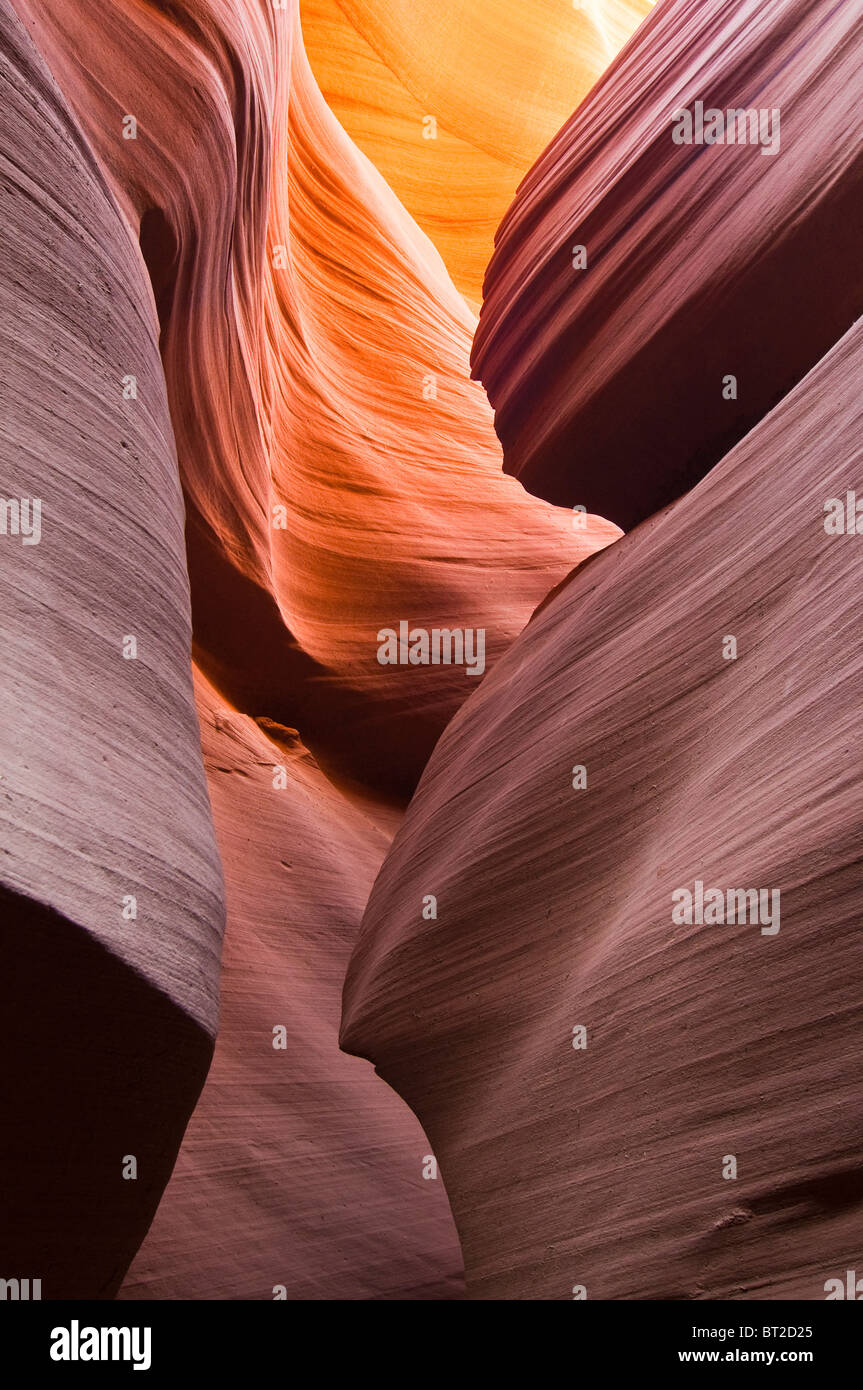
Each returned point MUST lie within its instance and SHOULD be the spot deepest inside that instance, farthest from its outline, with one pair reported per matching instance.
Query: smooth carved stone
(633, 275)
(592, 1069)
(341, 470)
(453, 103)
(106, 1021)
(300, 1167)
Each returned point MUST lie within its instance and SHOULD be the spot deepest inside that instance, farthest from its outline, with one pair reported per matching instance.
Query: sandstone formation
(599, 1161)
(300, 1167)
(702, 261)
(453, 102)
(109, 877)
(316, 360)
(189, 197)
(251, 495)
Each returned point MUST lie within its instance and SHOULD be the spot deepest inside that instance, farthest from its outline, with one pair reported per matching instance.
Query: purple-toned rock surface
(109, 875)
(601, 1159)
(301, 1170)
(213, 298)
(702, 261)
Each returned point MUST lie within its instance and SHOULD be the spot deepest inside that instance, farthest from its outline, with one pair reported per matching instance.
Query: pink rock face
(341, 477)
(601, 1159)
(340, 469)
(236, 379)
(300, 1167)
(112, 903)
(703, 261)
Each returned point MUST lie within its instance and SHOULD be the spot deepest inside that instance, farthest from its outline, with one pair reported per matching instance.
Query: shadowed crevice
(96, 1065)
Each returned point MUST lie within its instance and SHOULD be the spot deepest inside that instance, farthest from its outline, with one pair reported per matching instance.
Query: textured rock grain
(300, 1167)
(193, 215)
(703, 261)
(106, 1023)
(497, 79)
(603, 1167)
